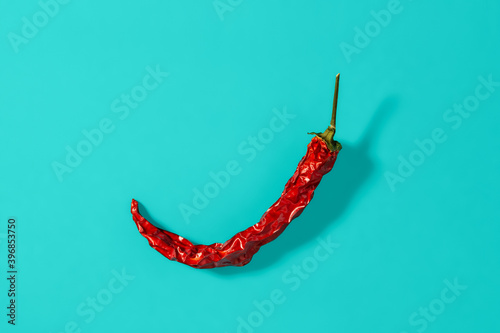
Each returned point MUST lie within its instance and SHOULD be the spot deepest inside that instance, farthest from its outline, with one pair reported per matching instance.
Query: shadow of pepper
(352, 169)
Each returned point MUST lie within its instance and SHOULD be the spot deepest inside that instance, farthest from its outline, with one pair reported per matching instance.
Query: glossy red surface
(239, 250)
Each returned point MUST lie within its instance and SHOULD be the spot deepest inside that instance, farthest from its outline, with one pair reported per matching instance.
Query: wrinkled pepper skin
(239, 250)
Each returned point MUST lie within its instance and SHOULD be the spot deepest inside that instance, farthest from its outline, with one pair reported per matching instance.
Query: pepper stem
(335, 99)
(327, 136)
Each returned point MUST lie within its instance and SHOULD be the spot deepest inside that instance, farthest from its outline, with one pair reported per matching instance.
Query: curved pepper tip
(135, 205)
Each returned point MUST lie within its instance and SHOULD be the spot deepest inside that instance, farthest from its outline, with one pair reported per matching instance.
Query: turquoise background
(396, 249)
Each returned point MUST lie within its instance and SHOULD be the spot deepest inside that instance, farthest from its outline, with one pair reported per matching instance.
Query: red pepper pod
(320, 157)
(239, 249)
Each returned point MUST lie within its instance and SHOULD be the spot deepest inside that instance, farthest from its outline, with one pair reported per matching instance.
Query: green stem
(327, 135)
(335, 99)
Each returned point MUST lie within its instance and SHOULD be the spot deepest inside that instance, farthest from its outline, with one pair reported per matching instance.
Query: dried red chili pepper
(238, 251)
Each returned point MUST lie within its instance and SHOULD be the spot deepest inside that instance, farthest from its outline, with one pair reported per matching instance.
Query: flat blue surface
(402, 235)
